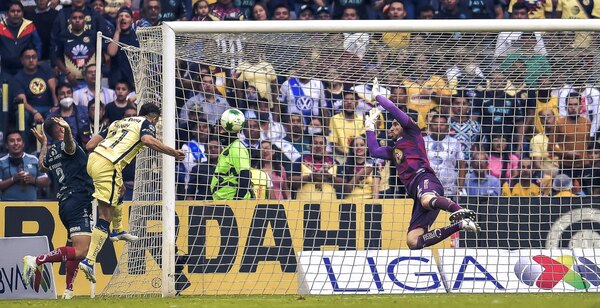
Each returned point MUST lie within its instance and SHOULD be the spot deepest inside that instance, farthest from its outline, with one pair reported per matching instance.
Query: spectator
(226, 10)
(21, 175)
(16, 33)
(506, 43)
(486, 9)
(87, 93)
(151, 12)
(346, 125)
(124, 34)
(578, 9)
(307, 12)
(569, 142)
(212, 104)
(250, 135)
(195, 151)
(269, 129)
(43, 18)
(98, 6)
(424, 89)
(318, 174)
(356, 9)
(323, 13)
(281, 12)
(334, 95)
(522, 185)
(262, 185)
(445, 156)
(359, 176)
(91, 116)
(257, 72)
(271, 164)
(172, 10)
(563, 186)
(116, 110)
(304, 96)
(201, 12)
(479, 182)
(502, 110)
(427, 12)
(259, 12)
(450, 9)
(537, 9)
(503, 164)
(200, 177)
(75, 50)
(35, 85)
(463, 126)
(91, 23)
(395, 10)
(111, 9)
(76, 116)
(355, 43)
(542, 160)
(295, 144)
(544, 101)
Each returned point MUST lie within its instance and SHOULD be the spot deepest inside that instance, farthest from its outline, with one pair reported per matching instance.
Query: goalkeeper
(231, 180)
(113, 149)
(414, 172)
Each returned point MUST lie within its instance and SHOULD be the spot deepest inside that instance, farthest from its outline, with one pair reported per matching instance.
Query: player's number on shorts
(123, 134)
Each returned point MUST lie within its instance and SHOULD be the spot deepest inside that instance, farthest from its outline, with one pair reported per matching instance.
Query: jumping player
(414, 172)
(114, 148)
(65, 159)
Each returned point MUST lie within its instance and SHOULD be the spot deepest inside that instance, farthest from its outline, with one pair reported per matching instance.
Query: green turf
(567, 300)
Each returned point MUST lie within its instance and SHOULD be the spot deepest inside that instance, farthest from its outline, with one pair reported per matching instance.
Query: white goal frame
(170, 29)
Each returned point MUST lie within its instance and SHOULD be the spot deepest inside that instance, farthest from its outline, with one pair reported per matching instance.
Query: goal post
(225, 240)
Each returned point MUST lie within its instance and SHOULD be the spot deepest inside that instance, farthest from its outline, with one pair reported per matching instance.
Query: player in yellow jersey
(113, 149)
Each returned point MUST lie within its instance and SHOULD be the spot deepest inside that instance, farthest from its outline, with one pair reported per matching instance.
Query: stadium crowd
(516, 141)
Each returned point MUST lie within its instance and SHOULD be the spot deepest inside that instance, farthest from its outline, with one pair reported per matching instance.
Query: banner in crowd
(521, 271)
(368, 272)
(12, 285)
(544, 223)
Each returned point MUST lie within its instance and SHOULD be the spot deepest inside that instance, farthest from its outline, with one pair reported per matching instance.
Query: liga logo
(545, 272)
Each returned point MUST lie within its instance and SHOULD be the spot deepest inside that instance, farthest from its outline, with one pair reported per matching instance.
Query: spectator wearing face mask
(73, 114)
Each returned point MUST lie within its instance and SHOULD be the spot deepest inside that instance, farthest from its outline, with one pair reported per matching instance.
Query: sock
(117, 221)
(435, 236)
(99, 235)
(57, 255)
(445, 204)
(72, 270)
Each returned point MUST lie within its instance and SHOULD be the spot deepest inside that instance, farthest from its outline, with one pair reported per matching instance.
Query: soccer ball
(232, 120)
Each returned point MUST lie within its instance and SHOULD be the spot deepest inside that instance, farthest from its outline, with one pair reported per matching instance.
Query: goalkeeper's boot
(469, 225)
(30, 267)
(87, 269)
(463, 214)
(68, 294)
(122, 236)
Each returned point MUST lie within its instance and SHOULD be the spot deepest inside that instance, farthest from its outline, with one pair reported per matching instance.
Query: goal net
(508, 111)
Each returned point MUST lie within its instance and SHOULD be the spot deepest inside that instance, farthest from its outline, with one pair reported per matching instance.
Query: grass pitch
(541, 300)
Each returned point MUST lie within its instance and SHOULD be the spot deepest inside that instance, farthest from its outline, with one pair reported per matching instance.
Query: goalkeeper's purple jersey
(409, 153)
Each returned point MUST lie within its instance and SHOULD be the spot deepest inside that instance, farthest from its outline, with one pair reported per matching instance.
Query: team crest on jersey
(398, 155)
(86, 39)
(37, 86)
(304, 103)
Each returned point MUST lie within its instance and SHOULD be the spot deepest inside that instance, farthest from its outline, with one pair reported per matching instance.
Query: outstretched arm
(374, 148)
(400, 116)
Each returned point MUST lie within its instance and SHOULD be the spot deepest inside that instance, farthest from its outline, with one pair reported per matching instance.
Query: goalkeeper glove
(371, 119)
